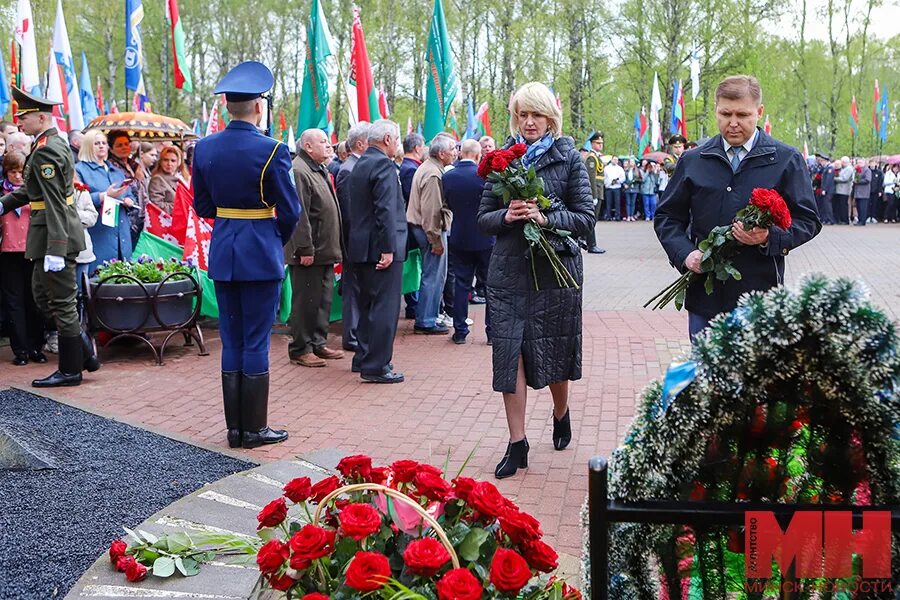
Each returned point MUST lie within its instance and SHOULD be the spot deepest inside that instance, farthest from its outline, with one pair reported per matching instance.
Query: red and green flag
(13, 79)
(876, 109)
(483, 121)
(768, 126)
(282, 125)
(361, 75)
(644, 145)
(313, 112)
(442, 85)
(854, 117)
(179, 57)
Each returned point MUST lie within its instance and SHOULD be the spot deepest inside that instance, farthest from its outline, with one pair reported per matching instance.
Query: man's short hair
(18, 137)
(357, 133)
(485, 138)
(470, 148)
(381, 128)
(241, 110)
(739, 86)
(307, 135)
(412, 141)
(442, 142)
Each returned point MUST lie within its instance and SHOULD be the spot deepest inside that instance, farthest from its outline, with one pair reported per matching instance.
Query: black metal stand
(188, 328)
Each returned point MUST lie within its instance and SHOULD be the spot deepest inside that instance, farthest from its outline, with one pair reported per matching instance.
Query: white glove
(53, 264)
(1, 208)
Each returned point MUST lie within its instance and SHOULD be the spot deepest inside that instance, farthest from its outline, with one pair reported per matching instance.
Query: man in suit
(470, 250)
(711, 184)
(55, 235)
(243, 179)
(377, 248)
(311, 253)
(357, 142)
(413, 155)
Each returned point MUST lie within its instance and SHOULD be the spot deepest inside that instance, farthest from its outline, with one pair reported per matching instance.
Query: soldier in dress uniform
(677, 145)
(594, 165)
(244, 179)
(55, 235)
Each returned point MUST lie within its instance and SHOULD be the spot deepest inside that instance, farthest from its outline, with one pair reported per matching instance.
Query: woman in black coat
(536, 333)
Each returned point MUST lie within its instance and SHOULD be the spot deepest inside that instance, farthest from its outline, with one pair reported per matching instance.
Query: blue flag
(637, 127)
(5, 99)
(471, 125)
(134, 53)
(885, 115)
(88, 105)
(673, 120)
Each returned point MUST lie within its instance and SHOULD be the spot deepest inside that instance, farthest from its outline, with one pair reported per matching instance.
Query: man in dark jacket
(823, 185)
(413, 155)
(876, 196)
(311, 253)
(470, 250)
(376, 249)
(357, 142)
(713, 182)
(862, 189)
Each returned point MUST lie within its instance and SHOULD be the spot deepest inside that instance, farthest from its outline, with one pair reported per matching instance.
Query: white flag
(24, 34)
(655, 107)
(291, 143)
(55, 94)
(65, 65)
(695, 74)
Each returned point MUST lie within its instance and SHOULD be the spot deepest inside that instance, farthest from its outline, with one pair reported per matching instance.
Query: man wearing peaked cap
(594, 165)
(244, 179)
(55, 236)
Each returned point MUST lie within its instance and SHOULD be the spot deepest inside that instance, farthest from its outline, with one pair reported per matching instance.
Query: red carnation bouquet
(402, 531)
(510, 180)
(766, 208)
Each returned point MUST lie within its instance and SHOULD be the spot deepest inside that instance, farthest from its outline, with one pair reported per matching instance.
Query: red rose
(315, 596)
(518, 150)
(509, 571)
(282, 583)
(432, 486)
(368, 571)
(425, 556)
(117, 549)
(520, 526)
(569, 592)
(770, 201)
(323, 488)
(426, 468)
(486, 499)
(459, 584)
(462, 487)
(123, 562)
(135, 572)
(404, 470)
(484, 167)
(272, 514)
(378, 475)
(272, 556)
(357, 465)
(310, 543)
(499, 163)
(298, 490)
(542, 557)
(359, 520)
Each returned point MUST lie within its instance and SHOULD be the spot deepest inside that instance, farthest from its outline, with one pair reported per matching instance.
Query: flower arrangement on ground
(510, 180)
(145, 269)
(765, 209)
(402, 531)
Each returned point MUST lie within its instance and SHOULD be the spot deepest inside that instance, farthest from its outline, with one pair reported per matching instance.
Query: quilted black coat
(544, 325)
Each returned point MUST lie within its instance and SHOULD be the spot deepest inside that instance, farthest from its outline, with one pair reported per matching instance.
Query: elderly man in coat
(713, 182)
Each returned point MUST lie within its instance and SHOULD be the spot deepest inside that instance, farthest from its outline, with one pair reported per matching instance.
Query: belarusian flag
(361, 75)
(212, 126)
(179, 61)
(330, 130)
(13, 79)
(453, 124)
(483, 118)
(854, 117)
(313, 113)
(644, 144)
(282, 125)
(876, 109)
(101, 105)
(442, 86)
(382, 103)
(768, 126)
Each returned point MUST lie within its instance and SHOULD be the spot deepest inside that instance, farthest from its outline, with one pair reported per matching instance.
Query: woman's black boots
(562, 431)
(516, 458)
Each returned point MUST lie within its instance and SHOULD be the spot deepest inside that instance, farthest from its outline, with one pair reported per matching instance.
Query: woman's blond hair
(535, 97)
(180, 169)
(86, 152)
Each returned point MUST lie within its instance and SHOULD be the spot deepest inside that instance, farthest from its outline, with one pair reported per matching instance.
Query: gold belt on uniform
(246, 213)
(42, 205)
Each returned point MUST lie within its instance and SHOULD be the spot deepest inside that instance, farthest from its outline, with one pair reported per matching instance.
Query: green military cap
(28, 103)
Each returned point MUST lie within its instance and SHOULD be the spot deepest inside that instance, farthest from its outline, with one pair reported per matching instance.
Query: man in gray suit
(357, 142)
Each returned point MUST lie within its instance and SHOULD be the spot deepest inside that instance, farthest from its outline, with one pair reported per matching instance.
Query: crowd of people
(858, 192)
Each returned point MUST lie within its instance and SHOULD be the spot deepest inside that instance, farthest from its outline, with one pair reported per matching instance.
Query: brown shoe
(308, 360)
(328, 354)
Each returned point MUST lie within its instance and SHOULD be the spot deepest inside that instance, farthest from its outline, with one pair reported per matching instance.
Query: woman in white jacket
(87, 213)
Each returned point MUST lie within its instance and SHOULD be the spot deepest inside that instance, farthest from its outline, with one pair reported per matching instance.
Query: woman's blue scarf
(535, 149)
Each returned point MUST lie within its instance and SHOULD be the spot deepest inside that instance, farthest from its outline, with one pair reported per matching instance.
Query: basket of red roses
(401, 531)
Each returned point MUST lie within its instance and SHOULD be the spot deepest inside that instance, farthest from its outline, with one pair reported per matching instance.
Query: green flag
(442, 85)
(314, 96)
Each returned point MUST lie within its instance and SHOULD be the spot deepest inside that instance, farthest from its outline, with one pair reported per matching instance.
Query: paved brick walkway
(446, 406)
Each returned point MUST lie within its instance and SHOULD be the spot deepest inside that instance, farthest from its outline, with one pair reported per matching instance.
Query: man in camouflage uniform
(594, 166)
(55, 235)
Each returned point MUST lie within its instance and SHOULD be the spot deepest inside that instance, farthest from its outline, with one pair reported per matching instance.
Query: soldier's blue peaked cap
(245, 82)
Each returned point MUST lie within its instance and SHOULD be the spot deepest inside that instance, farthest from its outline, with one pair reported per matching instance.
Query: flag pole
(168, 81)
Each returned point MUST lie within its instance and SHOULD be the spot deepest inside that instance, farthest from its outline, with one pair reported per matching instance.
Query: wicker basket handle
(397, 495)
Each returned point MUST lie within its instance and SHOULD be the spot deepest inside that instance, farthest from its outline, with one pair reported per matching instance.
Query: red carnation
(358, 465)
(520, 526)
(272, 514)
(324, 487)
(509, 571)
(282, 583)
(359, 520)
(298, 490)
(487, 499)
(116, 550)
(432, 486)
(404, 470)
(425, 557)
(310, 543)
(462, 487)
(272, 556)
(540, 556)
(459, 584)
(368, 571)
(135, 572)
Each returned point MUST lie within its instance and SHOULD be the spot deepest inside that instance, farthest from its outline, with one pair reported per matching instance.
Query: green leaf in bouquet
(532, 233)
(267, 534)
(344, 550)
(679, 300)
(482, 572)
(163, 566)
(704, 245)
(147, 556)
(733, 272)
(151, 539)
(179, 542)
(470, 548)
(708, 284)
(295, 526)
(191, 567)
(134, 536)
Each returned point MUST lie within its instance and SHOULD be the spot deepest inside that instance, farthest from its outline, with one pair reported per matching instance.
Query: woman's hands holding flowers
(525, 210)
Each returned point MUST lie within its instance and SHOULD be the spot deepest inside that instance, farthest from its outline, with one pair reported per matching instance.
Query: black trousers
(592, 236)
(379, 310)
(26, 332)
(862, 210)
(311, 293)
(890, 209)
(349, 304)
(841, 208)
